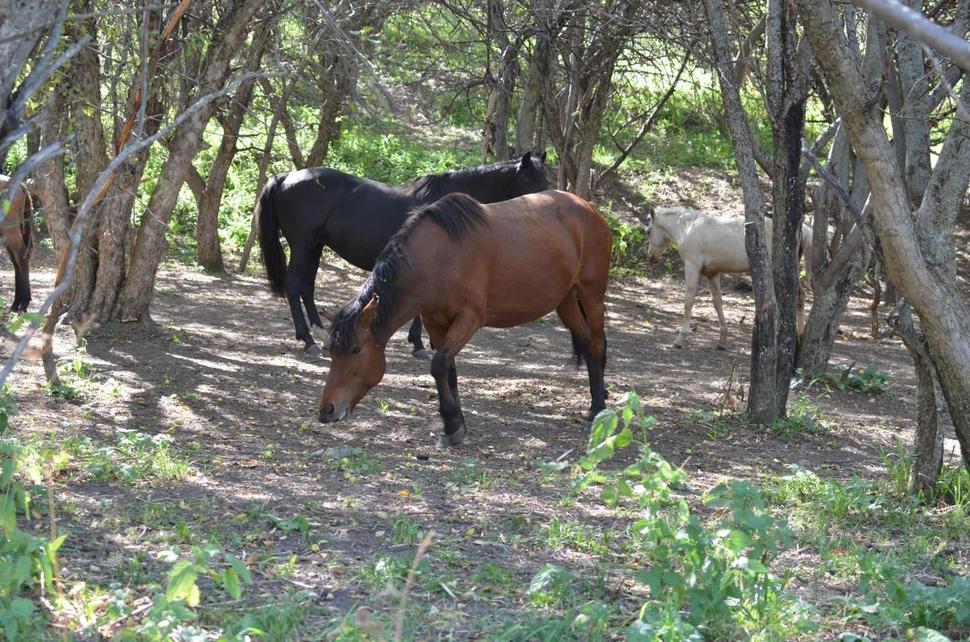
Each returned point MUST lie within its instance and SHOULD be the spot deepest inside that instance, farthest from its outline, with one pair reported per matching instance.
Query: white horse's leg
(691, 281)
(715, 284)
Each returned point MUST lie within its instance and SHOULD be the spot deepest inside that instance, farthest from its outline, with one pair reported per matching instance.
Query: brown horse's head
(357, 364)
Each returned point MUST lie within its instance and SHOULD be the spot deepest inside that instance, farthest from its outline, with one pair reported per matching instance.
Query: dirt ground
(218, 370)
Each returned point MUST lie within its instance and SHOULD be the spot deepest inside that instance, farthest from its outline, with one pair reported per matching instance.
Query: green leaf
(240, 567)
(230, 580)
(181, 583)
(21, 608)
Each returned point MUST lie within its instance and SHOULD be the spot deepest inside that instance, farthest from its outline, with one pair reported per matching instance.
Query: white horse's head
(659, 237)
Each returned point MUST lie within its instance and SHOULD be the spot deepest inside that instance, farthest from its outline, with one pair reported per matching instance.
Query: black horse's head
(530, 175)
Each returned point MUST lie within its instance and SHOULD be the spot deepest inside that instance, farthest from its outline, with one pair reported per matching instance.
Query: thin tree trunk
(264, 161)
(762, 398)
(928, 442)
(529, 107)
(209, 198)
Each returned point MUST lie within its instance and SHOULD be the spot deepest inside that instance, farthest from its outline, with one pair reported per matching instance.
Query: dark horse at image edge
(356, 217)
(463, 266)
(17, 232)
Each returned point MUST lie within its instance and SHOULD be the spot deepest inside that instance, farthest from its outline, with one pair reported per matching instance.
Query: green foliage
(803, 418)
(892, 593)
(405, 530)
(7, 407)
(871, 379)
(27, 562)
(134, 456)
(628, 251)
(706, 579)
(171, 615)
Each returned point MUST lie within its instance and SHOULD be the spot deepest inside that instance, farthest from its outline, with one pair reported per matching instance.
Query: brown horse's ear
(367, 314)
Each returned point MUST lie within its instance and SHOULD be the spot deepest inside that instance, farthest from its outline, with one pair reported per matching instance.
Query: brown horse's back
(523, 263)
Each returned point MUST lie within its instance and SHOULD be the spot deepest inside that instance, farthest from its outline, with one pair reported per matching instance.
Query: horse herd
(458, 251)
(490, 246)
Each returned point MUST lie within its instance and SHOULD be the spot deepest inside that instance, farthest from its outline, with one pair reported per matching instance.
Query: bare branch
(920, 27)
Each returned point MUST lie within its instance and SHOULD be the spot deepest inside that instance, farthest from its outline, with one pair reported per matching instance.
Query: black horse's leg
(309, 281)
(446, 380)
(414, 337)
(295, 273)
(21, 298)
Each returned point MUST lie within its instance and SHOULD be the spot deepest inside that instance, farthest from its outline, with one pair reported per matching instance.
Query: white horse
(709, 246)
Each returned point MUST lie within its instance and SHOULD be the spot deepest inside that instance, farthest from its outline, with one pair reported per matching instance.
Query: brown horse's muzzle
(330, 413)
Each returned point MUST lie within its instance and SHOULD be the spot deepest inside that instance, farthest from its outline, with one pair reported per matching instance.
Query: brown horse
(462, 265)
(17, 229)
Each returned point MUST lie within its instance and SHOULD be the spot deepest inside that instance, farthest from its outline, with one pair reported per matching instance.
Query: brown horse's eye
(356, 350)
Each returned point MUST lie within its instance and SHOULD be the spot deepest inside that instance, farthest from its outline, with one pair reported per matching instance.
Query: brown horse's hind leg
(583, 316)
(447, 344)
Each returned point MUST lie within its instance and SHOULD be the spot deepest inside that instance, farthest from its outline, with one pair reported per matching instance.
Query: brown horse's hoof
(313, 350)
(453, 439)
(422, 353)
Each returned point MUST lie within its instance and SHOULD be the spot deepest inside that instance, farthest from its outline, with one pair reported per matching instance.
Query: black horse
(356, 217)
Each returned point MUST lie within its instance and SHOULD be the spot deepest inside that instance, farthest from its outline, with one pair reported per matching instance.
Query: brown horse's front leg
(446, 380)
(447, 344)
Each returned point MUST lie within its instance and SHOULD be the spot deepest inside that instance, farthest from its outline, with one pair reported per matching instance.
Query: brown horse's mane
(456, 213)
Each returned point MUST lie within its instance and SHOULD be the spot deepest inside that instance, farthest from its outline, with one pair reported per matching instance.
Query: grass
(869, 380)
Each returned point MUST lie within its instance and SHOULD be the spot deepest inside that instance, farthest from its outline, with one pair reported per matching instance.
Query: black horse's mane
(456, 213)
(434, 186)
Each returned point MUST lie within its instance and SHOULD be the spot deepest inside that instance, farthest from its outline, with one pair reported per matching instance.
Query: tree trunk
(264, 160)
(928, 442)
(762, 398)
(49, 182)
(22, 24)
(209, 198)
(917, 257)
(530, 106)
(138, 290)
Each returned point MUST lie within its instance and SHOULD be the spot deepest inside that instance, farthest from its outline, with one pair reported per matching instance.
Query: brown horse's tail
(269, 238)
(581, 353)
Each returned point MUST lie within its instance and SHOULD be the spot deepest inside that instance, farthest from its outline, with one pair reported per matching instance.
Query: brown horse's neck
(405, 309)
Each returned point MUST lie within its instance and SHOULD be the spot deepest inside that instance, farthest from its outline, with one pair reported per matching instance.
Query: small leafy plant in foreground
(707, 579)
(27, 562)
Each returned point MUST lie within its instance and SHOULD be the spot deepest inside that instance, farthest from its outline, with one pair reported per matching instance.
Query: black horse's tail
(269, 238)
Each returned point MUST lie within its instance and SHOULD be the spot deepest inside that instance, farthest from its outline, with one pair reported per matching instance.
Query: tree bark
(912, 253)
(138, 290)
(209, 197)
(50, 185)
(762, 398)
(833, 281)
(22, 24)
(787, 91)
(930, 405)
